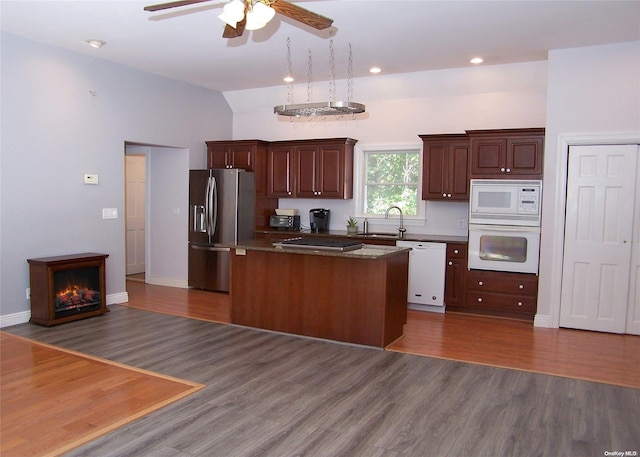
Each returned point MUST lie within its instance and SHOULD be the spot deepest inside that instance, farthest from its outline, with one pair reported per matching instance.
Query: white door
(135, 213)
(598, 231)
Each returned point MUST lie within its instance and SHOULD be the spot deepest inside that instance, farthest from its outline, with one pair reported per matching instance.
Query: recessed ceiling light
(96, 43)
(288, 79)
(375, 70)
(476, 60)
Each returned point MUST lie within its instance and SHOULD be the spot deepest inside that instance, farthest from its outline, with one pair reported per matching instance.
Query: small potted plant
(352, 226)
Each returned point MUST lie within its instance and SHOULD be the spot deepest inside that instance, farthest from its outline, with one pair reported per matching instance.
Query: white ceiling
(399, 36)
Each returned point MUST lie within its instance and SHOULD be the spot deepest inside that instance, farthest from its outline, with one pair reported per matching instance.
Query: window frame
(360, 178)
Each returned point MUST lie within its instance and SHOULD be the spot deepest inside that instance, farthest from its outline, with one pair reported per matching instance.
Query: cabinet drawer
(510, 283)
(456, 251)
(503, 302)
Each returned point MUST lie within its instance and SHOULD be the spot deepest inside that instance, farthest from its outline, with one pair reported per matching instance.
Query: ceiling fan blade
(301, 14)
(230, 32)
(165, 6)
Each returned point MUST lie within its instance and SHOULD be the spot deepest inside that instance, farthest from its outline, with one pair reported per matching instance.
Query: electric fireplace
(67, 288)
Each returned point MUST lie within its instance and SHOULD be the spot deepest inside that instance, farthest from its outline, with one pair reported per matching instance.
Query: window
(391, 177)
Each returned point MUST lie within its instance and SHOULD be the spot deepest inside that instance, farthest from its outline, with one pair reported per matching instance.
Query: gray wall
(65, 114)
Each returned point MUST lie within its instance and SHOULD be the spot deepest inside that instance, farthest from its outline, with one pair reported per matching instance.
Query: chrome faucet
(401, 229)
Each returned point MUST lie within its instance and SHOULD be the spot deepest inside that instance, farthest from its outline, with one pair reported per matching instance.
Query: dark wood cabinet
(233, 154)
(280, 182)
(445, 165)
(311, 169)
(249, 155)
(454, 279)
(508, 154)
(502, 294)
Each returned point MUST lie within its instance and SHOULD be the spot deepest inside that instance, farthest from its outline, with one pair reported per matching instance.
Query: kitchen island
(357, 296)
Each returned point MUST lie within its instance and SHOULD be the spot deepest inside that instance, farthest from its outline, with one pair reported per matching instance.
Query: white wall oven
(504, 225)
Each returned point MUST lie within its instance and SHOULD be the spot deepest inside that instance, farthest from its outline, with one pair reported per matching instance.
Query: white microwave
(505, 202)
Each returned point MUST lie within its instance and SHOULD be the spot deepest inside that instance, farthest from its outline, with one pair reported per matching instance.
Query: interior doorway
(135, 211)
(601, 266)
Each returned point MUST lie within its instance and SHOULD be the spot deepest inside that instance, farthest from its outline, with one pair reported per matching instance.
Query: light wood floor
(593, 356)
(53, 400)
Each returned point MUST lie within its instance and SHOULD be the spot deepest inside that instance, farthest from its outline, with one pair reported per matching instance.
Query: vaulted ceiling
(399, 36)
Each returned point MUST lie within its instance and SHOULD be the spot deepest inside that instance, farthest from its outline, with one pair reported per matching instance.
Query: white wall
(593, 97)
(398, 109)
(54, 130)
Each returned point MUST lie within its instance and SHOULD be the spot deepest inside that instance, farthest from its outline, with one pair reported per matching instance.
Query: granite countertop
(374, 235)
(369, 252)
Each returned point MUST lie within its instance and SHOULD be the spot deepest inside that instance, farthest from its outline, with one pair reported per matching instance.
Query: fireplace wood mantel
(46, 308)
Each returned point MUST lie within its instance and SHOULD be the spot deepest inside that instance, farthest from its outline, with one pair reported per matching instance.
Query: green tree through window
(391, 178)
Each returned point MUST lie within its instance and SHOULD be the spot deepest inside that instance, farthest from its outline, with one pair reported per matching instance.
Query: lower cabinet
(501, 294)
(455, 269)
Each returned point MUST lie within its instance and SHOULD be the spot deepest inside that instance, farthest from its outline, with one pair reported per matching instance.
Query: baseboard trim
(24, 316)
(542, 320)
(15, 319)
(114, 299)
(169, 282)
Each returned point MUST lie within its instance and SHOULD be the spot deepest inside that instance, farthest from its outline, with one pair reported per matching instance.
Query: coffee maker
(319, 219)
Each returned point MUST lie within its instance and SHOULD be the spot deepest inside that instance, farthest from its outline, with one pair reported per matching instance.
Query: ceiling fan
(241, 15)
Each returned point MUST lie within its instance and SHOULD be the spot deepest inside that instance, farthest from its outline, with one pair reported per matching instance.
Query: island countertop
(367, 251)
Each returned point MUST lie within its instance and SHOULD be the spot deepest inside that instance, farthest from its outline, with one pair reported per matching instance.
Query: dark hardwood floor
(270, 394)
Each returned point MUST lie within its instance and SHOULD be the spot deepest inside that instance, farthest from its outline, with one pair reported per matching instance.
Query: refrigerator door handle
(213, 205)
(207, 207)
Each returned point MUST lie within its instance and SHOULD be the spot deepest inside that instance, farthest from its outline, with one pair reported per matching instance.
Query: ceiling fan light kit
(232, 13)
(253, 14)
(258, 15)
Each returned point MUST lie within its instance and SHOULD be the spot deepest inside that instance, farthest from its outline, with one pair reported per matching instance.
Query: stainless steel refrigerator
(221, 210)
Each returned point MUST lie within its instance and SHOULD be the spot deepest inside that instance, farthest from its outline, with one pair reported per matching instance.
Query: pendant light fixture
(321, 109)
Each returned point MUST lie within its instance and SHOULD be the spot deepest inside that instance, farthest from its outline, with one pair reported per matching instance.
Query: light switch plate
(109, 213)
(90, 178)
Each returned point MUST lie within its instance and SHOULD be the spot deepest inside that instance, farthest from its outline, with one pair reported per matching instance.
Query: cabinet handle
(450, 263)
(444, 195)
(480, 283)
(521, 286)
(479, 299)
(289, 192)
(502, 170)
(519, 303)
(508, 170)
(455, 251)
(449, 195)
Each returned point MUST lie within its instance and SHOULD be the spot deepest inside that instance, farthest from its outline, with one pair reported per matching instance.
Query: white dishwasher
(426, 275)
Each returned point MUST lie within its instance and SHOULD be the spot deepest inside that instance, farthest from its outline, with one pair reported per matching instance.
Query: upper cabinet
(233, 154)
(311, 168)
(249, 155)
(508, 154)
(445, 165)
(280, 183)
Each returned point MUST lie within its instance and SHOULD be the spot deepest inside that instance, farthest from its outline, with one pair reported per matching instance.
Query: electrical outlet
(462, 223)
(28, 293)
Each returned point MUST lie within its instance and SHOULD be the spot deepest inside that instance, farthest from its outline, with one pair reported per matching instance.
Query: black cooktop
(322, 243)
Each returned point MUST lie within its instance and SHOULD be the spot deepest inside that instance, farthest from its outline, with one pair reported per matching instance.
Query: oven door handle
(503, 228)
